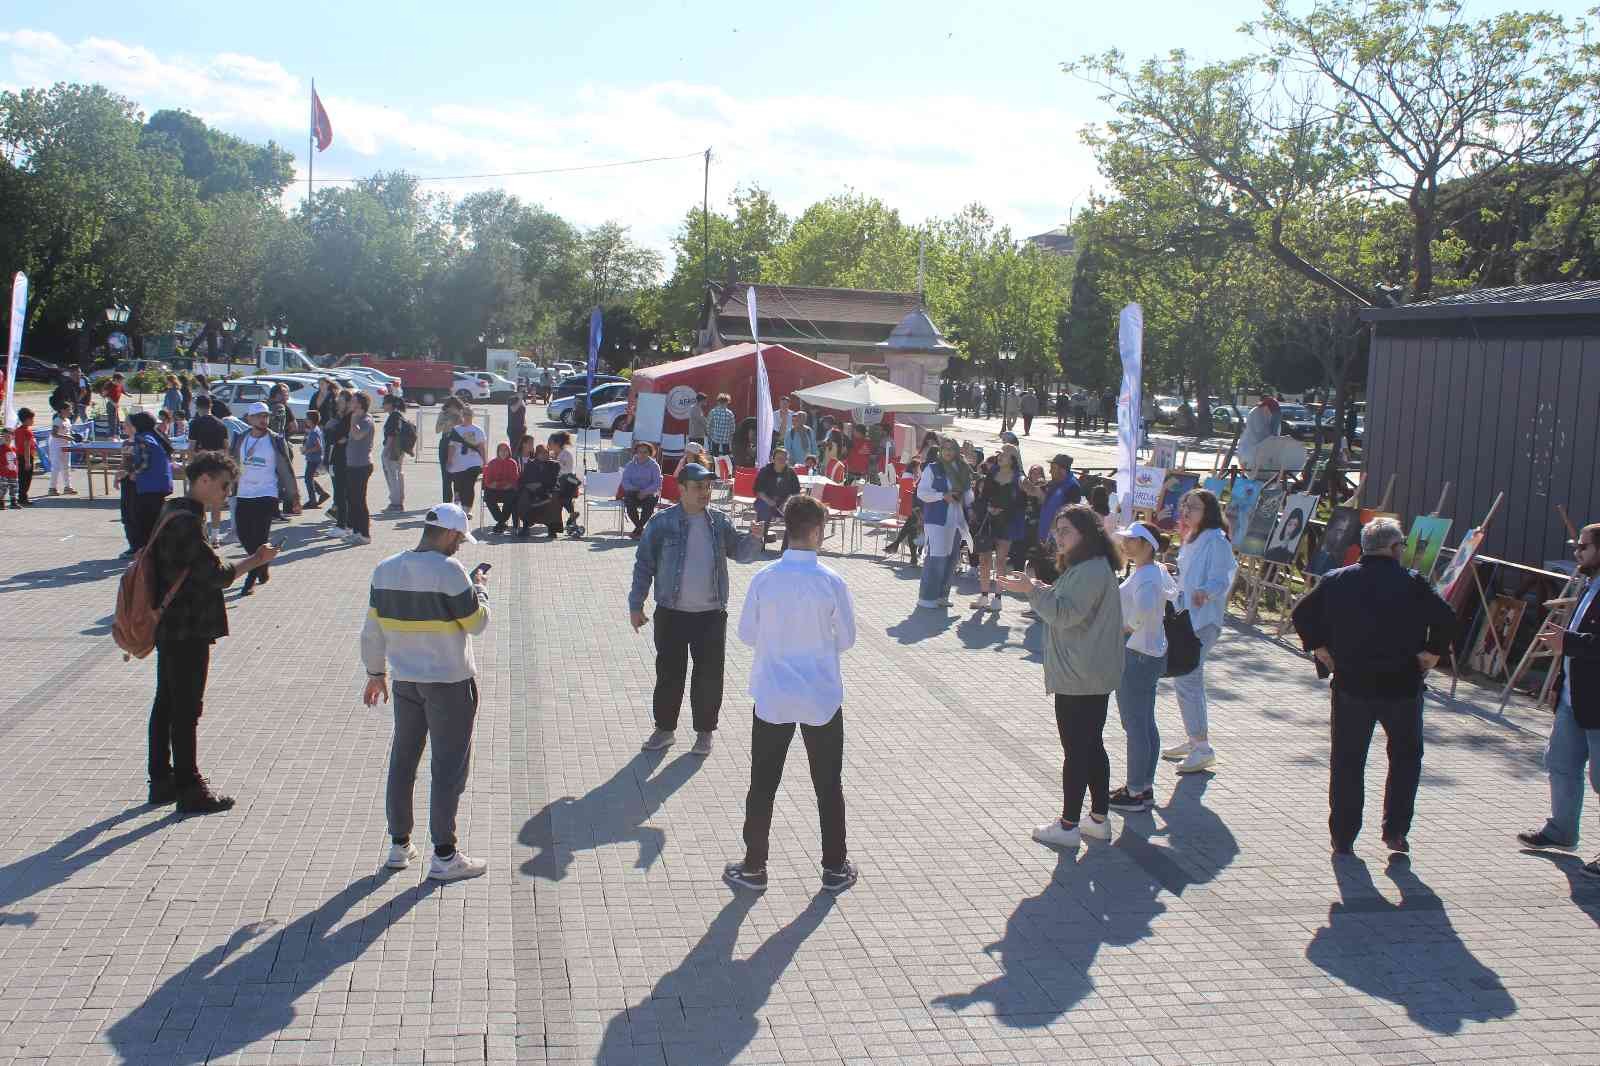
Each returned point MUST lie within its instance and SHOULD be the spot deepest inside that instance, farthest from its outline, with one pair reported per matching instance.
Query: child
(27, 447)
(60, 458)
(312, 446)
(114, 394)
(8, 470)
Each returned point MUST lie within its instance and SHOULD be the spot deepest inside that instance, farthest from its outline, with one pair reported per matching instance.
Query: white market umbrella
(866, 393)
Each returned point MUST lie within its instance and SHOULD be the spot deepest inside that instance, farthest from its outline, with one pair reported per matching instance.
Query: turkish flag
(321, 128)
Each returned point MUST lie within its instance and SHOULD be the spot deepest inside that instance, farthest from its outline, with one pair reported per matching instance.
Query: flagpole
(311, 151)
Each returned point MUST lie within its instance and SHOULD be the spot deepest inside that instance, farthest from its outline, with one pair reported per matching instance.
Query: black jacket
(197, 612)
(207, 433)
(1374, 617)
(1581, 648)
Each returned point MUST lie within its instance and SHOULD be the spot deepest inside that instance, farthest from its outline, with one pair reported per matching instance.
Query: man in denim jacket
(684, 551)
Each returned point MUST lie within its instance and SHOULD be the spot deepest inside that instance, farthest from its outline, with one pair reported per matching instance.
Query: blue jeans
(1191, 687)
(1136, 704)
(1569, 748)
(937, 571)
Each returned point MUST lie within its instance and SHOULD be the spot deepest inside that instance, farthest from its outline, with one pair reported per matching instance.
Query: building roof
(1060, 240)
(917, 333)
(805, 304)
(1554, 298)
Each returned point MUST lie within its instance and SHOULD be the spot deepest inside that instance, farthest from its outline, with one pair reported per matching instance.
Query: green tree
(219, 163)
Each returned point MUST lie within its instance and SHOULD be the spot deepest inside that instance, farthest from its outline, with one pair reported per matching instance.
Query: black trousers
(1353, 719)
(1081, 721)
(769, 748)
(355, 499)
(539, 510)
(465, 487)
(339, 474)
(24, 479)
(181, 669)
(130, 527)
(146, 513)
(502, 504)
(254, 515)
(639, 508)
(1027, 424)
(679, 634)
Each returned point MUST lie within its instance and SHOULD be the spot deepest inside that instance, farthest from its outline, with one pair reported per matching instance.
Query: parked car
(1167, 408)
(572, 386)
(31, 369)
(243, 391)
(564, 411)
(607, 415)
(129, 367)
(500, 388)
(1227, 418)
(1301, 423)
(470, 388)
(377, 378)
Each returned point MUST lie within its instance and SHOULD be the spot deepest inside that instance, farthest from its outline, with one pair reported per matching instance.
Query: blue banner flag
(596, 329)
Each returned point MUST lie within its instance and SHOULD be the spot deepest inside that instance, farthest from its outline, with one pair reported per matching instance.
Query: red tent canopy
(733, 370)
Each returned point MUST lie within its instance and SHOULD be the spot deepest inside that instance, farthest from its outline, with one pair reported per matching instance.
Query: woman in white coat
(1206, 567)
(945, 490)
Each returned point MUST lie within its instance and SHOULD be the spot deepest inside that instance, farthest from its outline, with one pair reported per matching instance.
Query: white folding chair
(622, 438)
(600, 494)
(880, 510)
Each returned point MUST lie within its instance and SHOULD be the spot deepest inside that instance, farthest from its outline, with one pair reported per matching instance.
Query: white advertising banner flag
(764, 415)
(19, 315)
(1130, 339)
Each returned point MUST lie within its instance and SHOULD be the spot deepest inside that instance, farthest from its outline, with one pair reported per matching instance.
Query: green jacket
(1083, 642)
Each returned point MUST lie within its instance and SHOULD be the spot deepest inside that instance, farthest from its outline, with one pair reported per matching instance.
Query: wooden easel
(1259, 572)
(1353, 503)
(1560, 609)
(1483, 598)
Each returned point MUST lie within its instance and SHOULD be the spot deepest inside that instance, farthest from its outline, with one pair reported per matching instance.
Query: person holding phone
(423, 611)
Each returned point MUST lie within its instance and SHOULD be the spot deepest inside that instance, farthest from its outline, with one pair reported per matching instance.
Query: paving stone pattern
(1214, 930)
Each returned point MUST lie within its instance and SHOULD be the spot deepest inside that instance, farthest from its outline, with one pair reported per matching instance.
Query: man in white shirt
(798, 616)
(464, 459)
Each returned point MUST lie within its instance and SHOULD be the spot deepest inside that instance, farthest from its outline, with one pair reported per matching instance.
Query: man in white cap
(424, 608)
(265, 477)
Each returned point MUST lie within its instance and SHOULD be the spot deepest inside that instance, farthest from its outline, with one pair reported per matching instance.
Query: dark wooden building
(1493, 390)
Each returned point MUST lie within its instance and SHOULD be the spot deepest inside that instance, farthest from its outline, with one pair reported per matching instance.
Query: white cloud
(923, 154)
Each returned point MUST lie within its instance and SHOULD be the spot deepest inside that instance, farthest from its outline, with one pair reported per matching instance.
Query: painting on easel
(1284, 543)
(1344, 530)
(1422, 546)
(1173, 490)
(1262, 521)
(1241, 502)
(1493, 646)
(1453, 575)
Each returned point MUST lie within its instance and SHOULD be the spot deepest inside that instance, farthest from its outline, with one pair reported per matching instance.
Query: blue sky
(928, 105)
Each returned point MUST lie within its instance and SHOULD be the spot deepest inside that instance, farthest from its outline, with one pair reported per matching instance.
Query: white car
(469, 388)
(500, 389)
(561, 410)
(607, 415)
(378, 378)
(236, 394)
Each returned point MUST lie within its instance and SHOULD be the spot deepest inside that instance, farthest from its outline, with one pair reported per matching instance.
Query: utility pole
(705, 226)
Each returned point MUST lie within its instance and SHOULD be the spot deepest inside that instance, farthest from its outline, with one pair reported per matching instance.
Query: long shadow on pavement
(705, 1009)
(610, 813)
(224, 1001)
(1052, 939)
(46, 869)
(1585, 890)
(75, 574)
(1408, 952)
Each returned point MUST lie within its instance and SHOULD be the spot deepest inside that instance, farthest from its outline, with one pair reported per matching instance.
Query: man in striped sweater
(424, 609)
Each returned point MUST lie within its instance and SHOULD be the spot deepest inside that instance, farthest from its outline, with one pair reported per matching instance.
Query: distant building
(1060, 241)
(862, 331)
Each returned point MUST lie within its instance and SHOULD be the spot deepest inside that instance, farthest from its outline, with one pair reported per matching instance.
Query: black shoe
(1343, 849)
(499, 527)
(1540, 839)
(198, 798)
(1398, 845)
(735, 874)
(163, 790)
(1127, 803)
(839, 878)
(1592, 868)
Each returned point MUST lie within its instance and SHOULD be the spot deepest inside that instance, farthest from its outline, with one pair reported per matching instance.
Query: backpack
(133, 626)
(408, 437)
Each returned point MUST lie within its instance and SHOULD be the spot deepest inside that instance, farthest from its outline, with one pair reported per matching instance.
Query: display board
(649, 416)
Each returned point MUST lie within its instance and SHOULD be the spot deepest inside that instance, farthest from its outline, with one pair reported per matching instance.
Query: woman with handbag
(1145, 595)
(1083, 653)
(1206, 568)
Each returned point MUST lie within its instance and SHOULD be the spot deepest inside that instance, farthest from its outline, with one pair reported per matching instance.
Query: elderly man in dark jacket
(188, 571)
(1378, 628)
(1575, 733)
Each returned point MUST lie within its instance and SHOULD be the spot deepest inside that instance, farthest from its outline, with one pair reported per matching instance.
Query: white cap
(449, 516)
(1139, 530)
(257, 408)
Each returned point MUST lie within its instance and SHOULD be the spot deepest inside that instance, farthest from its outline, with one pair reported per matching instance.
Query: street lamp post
(1007, 357)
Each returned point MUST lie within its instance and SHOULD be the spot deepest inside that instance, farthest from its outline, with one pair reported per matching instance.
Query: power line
(530, 173)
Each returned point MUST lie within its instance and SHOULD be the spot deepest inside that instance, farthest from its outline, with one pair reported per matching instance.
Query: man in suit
(1378, 628)
(1575, 734)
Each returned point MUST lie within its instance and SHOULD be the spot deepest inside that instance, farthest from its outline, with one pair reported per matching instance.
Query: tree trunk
(1421, 245)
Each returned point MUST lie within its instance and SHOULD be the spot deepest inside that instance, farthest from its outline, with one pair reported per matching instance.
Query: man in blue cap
(684, 551)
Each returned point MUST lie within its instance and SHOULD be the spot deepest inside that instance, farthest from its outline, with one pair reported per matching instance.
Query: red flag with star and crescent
(321, 128)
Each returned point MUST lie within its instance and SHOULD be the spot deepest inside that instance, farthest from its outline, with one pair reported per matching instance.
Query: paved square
(1215, 930)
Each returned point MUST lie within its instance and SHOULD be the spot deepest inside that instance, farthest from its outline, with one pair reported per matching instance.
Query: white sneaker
(1179, 753)
(358, 538)
(1100, 830)
(1201, 758)
(981, 603)
(456, 868)
(1057, 835)
(658, 739)
(702, 744)
(400, 855)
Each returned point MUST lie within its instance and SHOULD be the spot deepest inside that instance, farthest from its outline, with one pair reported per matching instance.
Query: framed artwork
(1164, 455)
(1173, 488)
(1241, 502)
(1284, 543)
(1147, 482)
(1263, 520)
(1453, 574)
(1344, 530)
(1493, 645)
(1217, 486)
(1422, 546)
